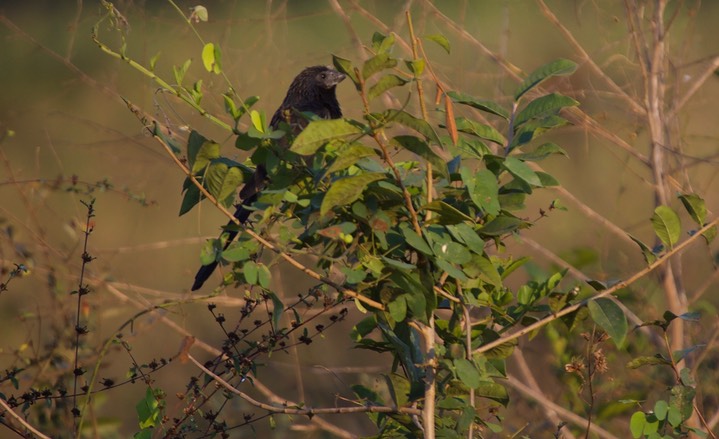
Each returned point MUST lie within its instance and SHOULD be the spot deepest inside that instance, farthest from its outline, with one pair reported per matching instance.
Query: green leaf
(541, 152)
(660, 409)
(196, 143)
(610, 317)
(493, 391)
(181, 71)
(649, 255)
(543, 106)
(439, 39)
(414, 240)
(419, 125)
(666, 225)
(416, 66)
(319, 132)
(211, 58)
(348, 154)
(681, 401)
(520, 170)
(448, 214)
(695, 206)
(346, 190)
(345, 66)
(398, 308)
(382, 43)
(638, 362)
(480, 104)
(148, 409)
(637, 423)
(250, 271)
(559, 67)
(501, 225)
(277, 309)
(467, 373)
(264, 277)
(191, 198)
(480, 130)
(483, 189)
(385, 83)
(379, 62)
(423, 150)
(222, 181)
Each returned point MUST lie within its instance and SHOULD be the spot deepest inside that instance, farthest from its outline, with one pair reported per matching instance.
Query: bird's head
(323, 77)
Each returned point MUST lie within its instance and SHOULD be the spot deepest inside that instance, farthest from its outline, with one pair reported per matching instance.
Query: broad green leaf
(666, 225)
(419, 125)
(488, 270)
(520, 170)
(398, 308)
(345, 66)
(610, 317)
(379, 62)
(348, 154)
(190, 199)
(439, 39)
(535, 128)
(250, 271)
(696, 207)
(452, 252)
(423, 150)
(559, 67)
(493, 391)
(319, 132)
(480, 130)
(466, 234)
(237, 252)
(546, 179)
(637, 423)
(211, 58)
(682, 401)
(483, 189)
(346, 190)
(382, 43)
(661, 408)
(649, 256)
(414, 240)
(222, 182)
(467, 373)
(447, 214)
(148, 409)
(263, 279)
(541, 152)
(416, 66)
(545, 105)
(258, 120)
(501, 225)
(479, 104)
(200, 151)
(385, 83)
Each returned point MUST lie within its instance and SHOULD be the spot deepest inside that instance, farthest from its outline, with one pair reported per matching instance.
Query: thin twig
(570, 309)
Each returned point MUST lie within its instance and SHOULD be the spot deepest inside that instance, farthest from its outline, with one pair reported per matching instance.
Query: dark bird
(313, 91)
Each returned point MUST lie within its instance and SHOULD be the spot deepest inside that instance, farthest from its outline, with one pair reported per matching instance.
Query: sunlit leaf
(559, 67)
(479, 104)
(419, 125)
(439, 39)
(520, 170)
(379, 62)
(385, 83)
(319, 132)
(346, 190)
(348, 154)
(542, 106)
(649, 255)
(610, 317)
(345, 66)
(696, 207)
(480, 130)
(423, 150)
(666, 225)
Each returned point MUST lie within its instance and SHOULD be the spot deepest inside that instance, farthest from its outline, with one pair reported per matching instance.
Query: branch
(21, 420)
(307, 411)
(543, 322)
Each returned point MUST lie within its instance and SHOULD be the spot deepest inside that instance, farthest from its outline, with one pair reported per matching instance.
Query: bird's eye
(323, 76)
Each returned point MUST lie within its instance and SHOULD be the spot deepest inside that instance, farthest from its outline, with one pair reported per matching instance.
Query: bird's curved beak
(337, 77)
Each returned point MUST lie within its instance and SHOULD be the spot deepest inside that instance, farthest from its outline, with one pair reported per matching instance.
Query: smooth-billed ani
(313, 90)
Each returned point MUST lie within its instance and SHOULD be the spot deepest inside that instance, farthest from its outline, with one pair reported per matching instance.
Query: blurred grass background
(60, 100)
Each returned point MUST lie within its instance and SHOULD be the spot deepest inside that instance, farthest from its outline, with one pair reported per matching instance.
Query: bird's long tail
(242, 213)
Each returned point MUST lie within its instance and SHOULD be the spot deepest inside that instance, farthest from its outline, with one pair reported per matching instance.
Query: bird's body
(313, 91)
